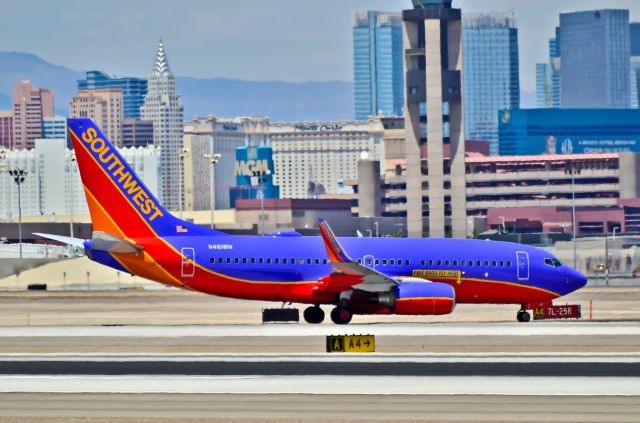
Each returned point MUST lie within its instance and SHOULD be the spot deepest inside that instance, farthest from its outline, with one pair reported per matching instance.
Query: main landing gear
(339, 315)
(523, 316)
(313, 315)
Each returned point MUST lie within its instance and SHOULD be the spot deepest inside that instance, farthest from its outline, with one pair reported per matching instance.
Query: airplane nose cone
(578, 280)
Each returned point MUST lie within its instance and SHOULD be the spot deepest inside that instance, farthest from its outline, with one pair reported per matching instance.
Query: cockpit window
(552, 262)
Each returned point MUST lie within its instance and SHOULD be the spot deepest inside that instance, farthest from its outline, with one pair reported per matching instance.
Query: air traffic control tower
(433, 118)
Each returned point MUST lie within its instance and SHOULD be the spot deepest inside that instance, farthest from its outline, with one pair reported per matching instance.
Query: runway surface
(290, 408)
(586, 365)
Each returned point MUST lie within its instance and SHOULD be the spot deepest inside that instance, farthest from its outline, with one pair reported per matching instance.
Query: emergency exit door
(188, 268)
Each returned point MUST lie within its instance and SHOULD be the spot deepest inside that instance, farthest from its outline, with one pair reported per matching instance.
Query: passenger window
(422, 262)
(446, 263)
(236, 260)
(439, 262)
(301, 261)
(486, 263)
(462, 263)
(244, 260)
(501, 263)
(509, 263)
(384, 262)
(430, 262)
(359, 261)
(228, 260)
(308, 261)
(407, 262)
(455, 262)
(253, 260)
(292, 261)
(219, 260)
(212, 260)
(261, 260)
(377, 262)
(276, 260)
(470, 263)
(392, 262)
(325, 261)
(493, 263)
(268, 260)
(318, 261)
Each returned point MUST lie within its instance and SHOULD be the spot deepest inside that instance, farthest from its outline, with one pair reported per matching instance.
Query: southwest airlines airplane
(133, 233)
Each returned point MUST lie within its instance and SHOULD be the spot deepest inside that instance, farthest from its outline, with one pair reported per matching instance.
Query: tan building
(105, 107)
(213, 135)
(30, 106)
(433, 88)
(316, 158)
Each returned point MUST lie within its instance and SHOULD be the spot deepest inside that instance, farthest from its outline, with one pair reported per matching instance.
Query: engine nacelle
(424, 298)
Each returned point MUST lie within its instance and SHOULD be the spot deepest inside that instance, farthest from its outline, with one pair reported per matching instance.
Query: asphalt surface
(188, 408)
(311, 368)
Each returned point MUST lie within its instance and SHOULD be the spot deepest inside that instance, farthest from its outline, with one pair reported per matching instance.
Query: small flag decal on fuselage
(181, 229)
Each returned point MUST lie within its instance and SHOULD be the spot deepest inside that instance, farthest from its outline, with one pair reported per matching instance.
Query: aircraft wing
(347, 272)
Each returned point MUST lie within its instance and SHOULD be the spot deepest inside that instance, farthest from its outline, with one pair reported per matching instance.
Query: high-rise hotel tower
(163, 106)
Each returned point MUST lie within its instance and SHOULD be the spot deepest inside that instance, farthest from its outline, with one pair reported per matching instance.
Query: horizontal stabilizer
(74, 242)
(103, 241)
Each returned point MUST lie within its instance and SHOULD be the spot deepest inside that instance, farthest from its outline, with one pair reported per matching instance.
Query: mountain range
(225, 97)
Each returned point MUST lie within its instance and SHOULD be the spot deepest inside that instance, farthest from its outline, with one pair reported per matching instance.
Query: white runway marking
(426, 358)
(357, 385)
(301, 330)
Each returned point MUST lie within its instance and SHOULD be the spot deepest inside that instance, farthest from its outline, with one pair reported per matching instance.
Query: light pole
(377, 229)
(18, 176)
(214, 158)
(72, 158)
(183, 155)
(572, 169)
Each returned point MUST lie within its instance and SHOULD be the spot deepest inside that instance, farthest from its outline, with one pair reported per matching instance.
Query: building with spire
(163, 107)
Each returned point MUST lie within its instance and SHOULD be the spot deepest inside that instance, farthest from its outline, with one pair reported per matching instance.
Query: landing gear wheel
(523, 316)
(341, 315)
(313, 315)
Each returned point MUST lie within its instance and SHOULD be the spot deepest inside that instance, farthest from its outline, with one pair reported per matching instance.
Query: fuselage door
(188, 268)
(369, 261)
(522, 259)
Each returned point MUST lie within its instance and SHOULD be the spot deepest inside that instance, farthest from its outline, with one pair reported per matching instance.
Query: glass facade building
(133, 89)
(377, 64)
(595, 47)
(491, 73)
(634, 37)
(569, 131)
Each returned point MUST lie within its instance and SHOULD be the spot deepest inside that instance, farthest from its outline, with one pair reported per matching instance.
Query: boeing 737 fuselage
(134, 233)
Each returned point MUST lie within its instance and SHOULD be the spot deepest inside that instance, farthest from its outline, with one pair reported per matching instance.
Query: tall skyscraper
(491, 73)
(548, 77)
(133, 89)
(30, 105)
(6, 129)
(163, 107)
(634, 37)
(595, 59)
(377, 64)
(105, 107)
(432, 34)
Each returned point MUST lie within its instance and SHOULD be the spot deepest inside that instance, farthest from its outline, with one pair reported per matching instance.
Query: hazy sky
(292, 40)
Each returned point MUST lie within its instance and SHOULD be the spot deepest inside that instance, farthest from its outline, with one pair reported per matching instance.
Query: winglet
(334, 249)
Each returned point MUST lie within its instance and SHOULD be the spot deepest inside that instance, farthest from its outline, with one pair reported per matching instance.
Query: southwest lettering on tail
(130, 186)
